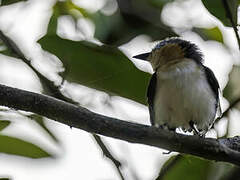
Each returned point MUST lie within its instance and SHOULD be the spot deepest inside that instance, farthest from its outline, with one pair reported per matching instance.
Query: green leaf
(15, 146)
(4, 50)
(100, 67)
(4, 124)
(171, 162)
(218, 9)
(232, 90)
(210, 34)
(108, 26)
(188, 167)
(8, 2)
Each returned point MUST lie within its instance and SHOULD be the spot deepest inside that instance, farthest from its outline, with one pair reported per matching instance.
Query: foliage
(218, 10)
(8, 2)
(191, 167)
(106, 68)
(111, 71)
(232, 90)
(15, 146)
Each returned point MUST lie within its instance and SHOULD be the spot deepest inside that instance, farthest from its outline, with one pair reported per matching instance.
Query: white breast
(182, 95)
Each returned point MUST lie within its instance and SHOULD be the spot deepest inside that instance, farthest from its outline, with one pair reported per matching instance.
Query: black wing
(213, 83)
(150, 96)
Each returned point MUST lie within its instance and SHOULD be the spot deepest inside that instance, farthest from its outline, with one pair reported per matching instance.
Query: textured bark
(214, 149)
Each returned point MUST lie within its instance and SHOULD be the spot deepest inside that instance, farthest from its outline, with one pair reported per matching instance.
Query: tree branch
(48, 85)
(79, 117)
(108, 154)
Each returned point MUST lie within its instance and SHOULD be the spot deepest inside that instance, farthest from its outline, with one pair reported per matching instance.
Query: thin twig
(54, 90)
(51, 88)
(229, 15)
(107, 153)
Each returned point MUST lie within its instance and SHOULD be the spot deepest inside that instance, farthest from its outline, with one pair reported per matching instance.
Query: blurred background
(81, 51)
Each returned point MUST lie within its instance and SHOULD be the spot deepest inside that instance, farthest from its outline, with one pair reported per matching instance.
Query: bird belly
(183, 95)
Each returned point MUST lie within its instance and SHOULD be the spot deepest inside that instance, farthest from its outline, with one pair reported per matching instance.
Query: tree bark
(226, 149)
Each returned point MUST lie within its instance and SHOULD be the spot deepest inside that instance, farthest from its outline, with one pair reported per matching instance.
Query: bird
(182, 92)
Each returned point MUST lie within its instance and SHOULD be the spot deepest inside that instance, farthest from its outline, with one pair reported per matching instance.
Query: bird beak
(143, 56)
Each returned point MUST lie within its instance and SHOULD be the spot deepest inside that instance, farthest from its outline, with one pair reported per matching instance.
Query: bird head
(171, 50)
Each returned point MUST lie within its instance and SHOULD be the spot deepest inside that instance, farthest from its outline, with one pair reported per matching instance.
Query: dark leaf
(120, 28)
(8, 2)
(217, 9)
(159, 4)
(15, 146)
(100, 67)
(4, 124)
(4, 50)
(232, 90)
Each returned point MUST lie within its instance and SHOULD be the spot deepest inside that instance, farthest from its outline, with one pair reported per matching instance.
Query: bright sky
(78, 155)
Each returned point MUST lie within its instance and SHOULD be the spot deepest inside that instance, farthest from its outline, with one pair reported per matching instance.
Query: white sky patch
(183, 14)
(138, 45)
(90, 5)
(234, 125)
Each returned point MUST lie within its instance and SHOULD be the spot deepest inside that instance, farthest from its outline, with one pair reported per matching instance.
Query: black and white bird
(182, 93)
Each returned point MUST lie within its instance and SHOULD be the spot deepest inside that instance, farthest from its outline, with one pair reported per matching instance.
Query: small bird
(182, 93)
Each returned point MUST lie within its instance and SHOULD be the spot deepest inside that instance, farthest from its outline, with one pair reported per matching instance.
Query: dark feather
(212, 82)
(190, 50)
(150, 96)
